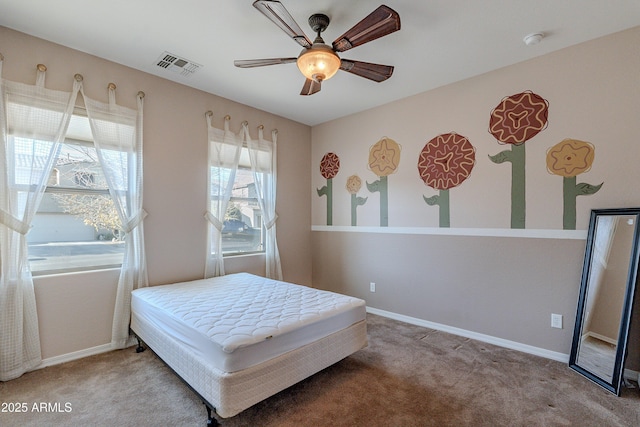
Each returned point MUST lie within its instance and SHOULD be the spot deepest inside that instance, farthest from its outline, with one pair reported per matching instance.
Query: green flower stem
(327, 190)
(355, 202)
(380, 186)
(570, 193)
(384, 202)
(442, 200)
(445, 217)
(569, 206)
(518, 192)
(518, 184)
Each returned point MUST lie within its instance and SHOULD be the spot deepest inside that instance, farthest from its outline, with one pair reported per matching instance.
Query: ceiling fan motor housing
(319, 22)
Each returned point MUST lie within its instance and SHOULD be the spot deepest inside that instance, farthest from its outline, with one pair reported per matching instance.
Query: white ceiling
(440, 42)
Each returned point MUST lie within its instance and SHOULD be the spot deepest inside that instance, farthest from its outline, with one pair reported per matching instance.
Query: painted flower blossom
(354, 183)
(329, 165)
(384, 157)
(446, 161)
(519, 118)
(570, 157)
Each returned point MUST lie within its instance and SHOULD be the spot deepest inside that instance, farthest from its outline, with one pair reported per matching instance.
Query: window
(76, 226)
(242, 230)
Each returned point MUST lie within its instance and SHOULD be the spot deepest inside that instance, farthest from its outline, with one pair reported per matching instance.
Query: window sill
(242, 254)
(62, 272)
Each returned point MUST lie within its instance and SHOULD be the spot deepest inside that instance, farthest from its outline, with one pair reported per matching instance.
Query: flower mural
(354, 183)
(519, 117)
(384, 158)
(329, 168)
(515, 120)
(568, 159)
(444, 163)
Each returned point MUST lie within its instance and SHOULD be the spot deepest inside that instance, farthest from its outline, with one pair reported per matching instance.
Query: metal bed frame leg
(211, 421)
(139, 348)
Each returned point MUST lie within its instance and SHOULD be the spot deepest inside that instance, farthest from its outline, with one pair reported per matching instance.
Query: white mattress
(241, 320)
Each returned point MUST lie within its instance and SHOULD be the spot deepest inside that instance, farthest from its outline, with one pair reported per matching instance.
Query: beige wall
(506, 287)
(75, 311)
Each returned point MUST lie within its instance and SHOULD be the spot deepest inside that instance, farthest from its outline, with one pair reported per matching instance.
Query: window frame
(244, 164)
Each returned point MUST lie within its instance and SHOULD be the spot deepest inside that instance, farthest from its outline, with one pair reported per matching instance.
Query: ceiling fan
(318, 61)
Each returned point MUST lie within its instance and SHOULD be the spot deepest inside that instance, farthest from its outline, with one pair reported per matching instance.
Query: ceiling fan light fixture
(319, 62)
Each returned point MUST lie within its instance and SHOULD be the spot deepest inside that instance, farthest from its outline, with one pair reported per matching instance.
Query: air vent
(177, 65)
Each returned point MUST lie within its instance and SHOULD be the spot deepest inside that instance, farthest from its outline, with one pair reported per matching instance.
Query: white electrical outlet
(372, 287)
(556, 321)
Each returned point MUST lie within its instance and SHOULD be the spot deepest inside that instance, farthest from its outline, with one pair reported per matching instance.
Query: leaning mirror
(605, 302)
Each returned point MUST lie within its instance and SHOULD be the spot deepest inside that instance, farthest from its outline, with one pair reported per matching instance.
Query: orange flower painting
(570, 157)
(384, 157)
(354, 183)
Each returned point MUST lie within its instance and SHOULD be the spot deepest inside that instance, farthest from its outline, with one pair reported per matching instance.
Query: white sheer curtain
(117, 135)
(224, 155)
(33, 121)
(263, 165)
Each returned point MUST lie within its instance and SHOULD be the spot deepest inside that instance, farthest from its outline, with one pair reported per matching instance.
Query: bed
(240, 338)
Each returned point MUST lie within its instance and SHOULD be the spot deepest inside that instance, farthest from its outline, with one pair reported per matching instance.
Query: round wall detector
(533, 38)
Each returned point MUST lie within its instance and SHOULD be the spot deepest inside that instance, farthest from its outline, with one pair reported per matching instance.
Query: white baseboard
(600, 337)
(553, 355)
(632, 375)
(56, 360)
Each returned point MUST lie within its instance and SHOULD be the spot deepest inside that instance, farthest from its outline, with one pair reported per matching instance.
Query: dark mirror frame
(621, 349)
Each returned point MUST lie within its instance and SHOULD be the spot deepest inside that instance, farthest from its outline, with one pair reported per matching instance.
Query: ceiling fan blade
(376, 72)
(250, 63)
(310, 87)
(276, 12)
(378, 23)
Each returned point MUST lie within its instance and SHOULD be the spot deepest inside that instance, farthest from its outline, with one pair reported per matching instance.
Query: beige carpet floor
(407, 376)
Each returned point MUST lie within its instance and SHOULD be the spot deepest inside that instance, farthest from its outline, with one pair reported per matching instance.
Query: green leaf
(501, 157)
(374, 186)
(584, 189)
(322, 191)
(431, 201)
(361, 201)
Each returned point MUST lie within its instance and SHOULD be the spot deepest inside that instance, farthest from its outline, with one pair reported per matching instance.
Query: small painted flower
(354, 183)
(570, 157)
(329, 165)
(384, 157)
